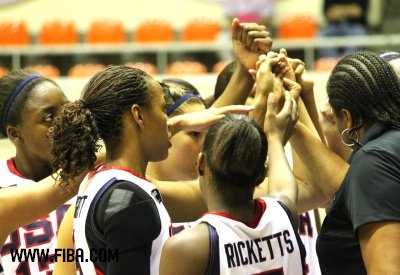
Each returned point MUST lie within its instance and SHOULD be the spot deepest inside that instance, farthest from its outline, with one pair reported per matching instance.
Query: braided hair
(367, 86)
(97, 115)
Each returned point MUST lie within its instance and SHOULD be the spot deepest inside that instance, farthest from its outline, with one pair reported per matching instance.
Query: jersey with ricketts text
(90, 191)
(26, 249)
(271, 246)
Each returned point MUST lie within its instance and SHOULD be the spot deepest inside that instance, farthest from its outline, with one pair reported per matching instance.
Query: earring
(348, 137)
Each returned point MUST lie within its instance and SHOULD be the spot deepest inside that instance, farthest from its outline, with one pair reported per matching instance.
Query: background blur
(196, 57)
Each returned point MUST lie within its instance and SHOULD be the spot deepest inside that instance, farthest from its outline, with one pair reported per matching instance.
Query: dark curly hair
(367, 86)
(8, 84)
(80, 125)
(235, 149)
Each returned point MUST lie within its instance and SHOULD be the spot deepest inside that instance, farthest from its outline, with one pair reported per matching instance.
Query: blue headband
(12, 97)
(173, 107)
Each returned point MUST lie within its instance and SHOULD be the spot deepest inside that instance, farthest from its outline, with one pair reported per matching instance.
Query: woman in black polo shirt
(361, 232)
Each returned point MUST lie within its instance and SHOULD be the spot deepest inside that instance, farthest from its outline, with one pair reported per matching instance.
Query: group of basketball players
(130, 203)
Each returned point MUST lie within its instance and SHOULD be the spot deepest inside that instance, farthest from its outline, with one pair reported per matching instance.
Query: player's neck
(240, 211)
(32, 169)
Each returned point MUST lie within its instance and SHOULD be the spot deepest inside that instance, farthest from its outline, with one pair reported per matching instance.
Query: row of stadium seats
(175, 68)
(88, 70)
(106, 31)
(15, 32)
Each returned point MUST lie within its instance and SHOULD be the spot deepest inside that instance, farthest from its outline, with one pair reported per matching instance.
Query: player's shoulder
(9, 175)
(195, 238)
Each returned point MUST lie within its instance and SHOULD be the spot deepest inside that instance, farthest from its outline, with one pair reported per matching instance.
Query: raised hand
(279, 124)
(249, 40)
(266, 82)
(265, 78)
(285, 66)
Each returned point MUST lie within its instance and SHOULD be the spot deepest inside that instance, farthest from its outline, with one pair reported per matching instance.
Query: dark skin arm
(327, 172)
(22, 205)
(379, 244)
(178, 257)
(249, 40)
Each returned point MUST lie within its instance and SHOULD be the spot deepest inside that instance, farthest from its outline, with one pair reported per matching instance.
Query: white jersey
(307, 230)
(308, 234)
(270, 246)
(91, 189)
(37, 238)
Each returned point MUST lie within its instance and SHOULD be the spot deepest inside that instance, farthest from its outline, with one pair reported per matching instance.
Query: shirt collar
(372, 133)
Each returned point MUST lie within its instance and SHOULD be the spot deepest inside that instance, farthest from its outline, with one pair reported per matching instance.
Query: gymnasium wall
(34, 12)
(82, 12)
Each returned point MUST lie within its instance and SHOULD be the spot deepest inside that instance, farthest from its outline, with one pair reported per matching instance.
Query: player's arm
(278, 127)
(249, 40)
(183, 200)
(65, 241)
(129, 221)
(22, 205)
(379, 244)
(372, 202)
(327, 172)
(201, 120)
(186, 252)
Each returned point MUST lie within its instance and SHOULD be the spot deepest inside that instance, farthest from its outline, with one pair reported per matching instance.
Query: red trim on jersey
(13, 169)
(100, 168)
(261, 206)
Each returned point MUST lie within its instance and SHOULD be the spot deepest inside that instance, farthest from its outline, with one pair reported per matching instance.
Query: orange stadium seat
(200, 29)
(85, 70)
(144, 66)
(45, 70)
(154, 30)
(325, 64)
(14, 33)
(106, 31)
(3, 71)
(58, 32)
(297, 26)
(186, 67)
(219, 66)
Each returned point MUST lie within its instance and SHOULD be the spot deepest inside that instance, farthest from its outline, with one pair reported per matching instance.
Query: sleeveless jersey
(91, 189)
(308, 234)
(35, 239)
(270, 247)
(307, 230)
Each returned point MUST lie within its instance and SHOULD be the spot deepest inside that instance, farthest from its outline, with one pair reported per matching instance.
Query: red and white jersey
(269, 245)
(35, 239)
(307, 230)
(91, 188)
(308, 234)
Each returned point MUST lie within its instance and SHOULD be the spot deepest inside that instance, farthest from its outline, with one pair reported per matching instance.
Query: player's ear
(137, 116)
(14, 134)
(200, 164)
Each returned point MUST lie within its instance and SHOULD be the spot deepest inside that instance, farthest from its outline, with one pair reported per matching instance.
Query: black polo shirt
(369, 193)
